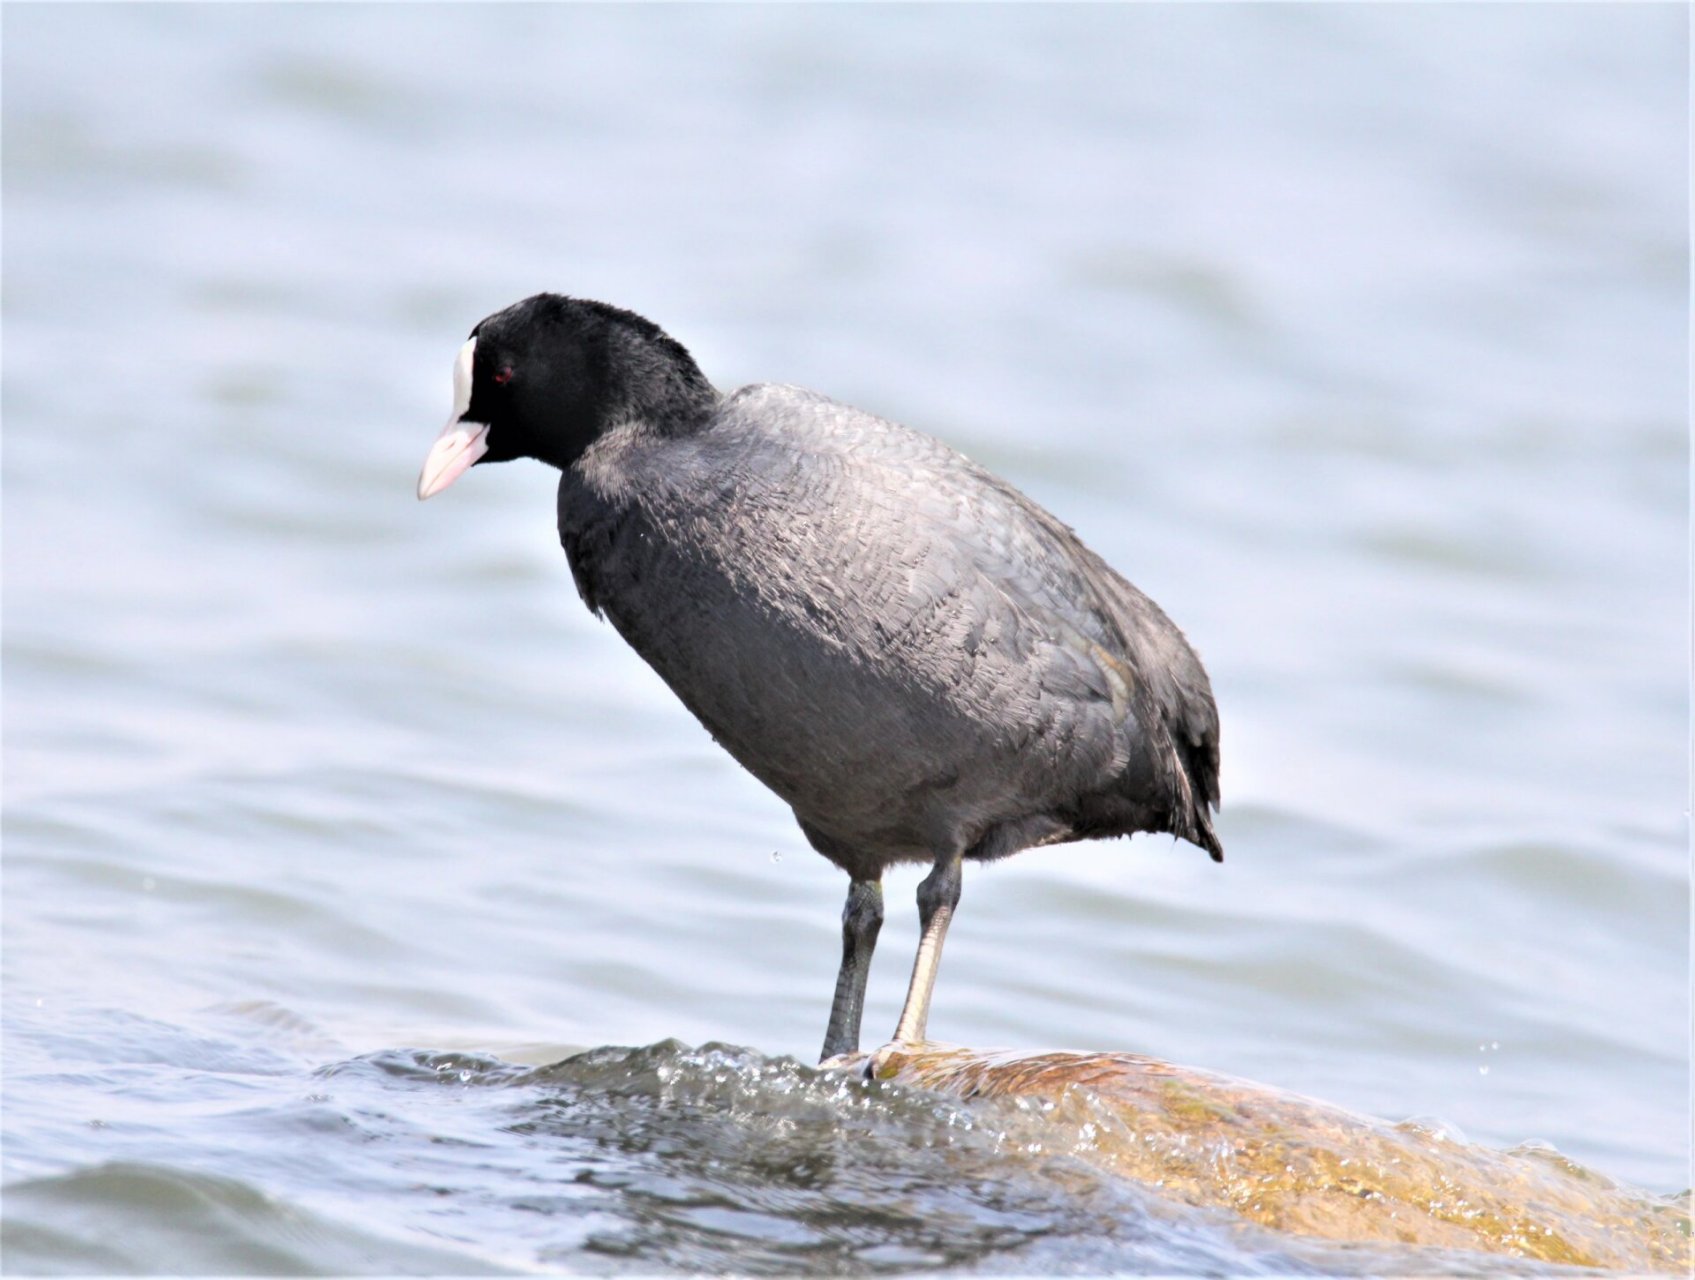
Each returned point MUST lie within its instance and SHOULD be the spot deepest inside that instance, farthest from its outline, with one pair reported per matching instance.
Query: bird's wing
(921, 549)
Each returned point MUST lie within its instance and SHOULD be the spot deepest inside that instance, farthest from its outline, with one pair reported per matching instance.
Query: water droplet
(776, 856)
(1494, 1044)
(1483, 1071)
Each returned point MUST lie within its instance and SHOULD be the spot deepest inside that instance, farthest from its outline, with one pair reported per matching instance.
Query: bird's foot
(854, 1061)
(879, 1064)
(883, 1063)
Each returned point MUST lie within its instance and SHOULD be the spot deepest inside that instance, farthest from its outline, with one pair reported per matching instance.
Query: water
(1355, 336)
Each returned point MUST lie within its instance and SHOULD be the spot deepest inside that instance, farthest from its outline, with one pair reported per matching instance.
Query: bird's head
(548, 375)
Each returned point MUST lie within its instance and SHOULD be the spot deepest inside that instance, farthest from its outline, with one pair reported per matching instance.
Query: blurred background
(1354, 335)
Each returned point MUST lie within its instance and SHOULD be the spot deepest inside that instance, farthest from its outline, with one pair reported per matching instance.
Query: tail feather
(1204, 835)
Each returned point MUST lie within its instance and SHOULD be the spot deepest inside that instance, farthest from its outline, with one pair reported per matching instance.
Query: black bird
(923, 663)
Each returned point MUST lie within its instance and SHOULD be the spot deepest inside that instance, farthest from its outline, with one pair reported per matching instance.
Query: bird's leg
(938, 895)
(862, 918)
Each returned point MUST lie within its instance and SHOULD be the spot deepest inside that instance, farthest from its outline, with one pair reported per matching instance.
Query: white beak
(460, 443)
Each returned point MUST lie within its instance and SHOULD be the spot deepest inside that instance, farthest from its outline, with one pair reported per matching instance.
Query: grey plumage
(904, 648)
(924, 664)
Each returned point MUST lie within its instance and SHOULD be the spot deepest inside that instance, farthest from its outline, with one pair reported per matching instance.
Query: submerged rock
(1296, 1165)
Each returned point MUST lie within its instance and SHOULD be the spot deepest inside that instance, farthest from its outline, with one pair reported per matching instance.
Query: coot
(923, 663)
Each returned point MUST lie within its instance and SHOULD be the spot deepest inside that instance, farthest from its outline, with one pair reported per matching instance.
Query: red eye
(503, 375)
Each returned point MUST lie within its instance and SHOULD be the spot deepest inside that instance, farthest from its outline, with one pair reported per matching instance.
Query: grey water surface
(1355, 335)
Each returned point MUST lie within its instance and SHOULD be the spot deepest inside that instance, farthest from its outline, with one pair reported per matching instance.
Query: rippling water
(1356, 336)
